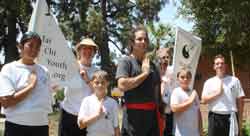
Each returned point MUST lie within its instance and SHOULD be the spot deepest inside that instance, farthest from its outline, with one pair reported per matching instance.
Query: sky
(169, 15)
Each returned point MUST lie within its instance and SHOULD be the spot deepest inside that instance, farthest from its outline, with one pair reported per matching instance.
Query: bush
(246, 128)
(58, 97)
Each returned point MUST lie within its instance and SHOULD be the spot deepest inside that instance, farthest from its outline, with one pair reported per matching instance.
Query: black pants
(218, 124)
(139, 123)
(168, 131)
(68, 125)
(12, 129)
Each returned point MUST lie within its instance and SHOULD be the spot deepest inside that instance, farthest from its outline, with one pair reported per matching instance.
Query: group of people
(153, 104)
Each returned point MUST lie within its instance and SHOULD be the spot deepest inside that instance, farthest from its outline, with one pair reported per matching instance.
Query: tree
(222, 25)
(106, 21)
(160, 34)
(14, 19)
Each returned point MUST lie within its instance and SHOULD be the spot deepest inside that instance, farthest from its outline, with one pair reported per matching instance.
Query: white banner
(186, 53)
(55, 53)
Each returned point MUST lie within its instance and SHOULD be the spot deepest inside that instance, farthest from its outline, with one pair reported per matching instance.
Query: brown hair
(100, 74)
(139, 27)
(219, 56)
(186, 71)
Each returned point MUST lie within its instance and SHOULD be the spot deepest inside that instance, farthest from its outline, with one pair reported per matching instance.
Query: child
(185, 105)
(98, 112)
(27, 109)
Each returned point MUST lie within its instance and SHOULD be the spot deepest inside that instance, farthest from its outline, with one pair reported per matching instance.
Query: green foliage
(111, 19)
(59, 96)
(160, 35)
(246, 128)
(13, 13)
(106, 21)
(222, 25)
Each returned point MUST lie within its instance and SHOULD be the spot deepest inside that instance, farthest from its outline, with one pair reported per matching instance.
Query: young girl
(27, 109)
(98, 112)
(185, 105)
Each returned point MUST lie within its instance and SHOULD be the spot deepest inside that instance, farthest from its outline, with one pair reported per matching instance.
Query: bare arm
(185, 105)
(163, 85)
(128, 83)
(117, 131)
(20, 95)
(240, 107)
(209, 98)
(84, 122)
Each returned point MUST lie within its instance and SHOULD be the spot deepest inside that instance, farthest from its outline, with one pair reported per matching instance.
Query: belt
(148, 106)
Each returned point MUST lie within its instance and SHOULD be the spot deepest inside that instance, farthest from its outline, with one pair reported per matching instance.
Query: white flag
(55, 53)
(186, 53)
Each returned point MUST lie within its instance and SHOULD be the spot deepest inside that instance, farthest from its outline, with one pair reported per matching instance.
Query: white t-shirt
(168, 85)
(226, 103)
(185, 123)
(7, 87)
(34, 109)
(105, 125)
(73, 96)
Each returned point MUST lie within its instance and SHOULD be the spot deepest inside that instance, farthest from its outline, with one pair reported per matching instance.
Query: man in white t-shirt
(224, 96)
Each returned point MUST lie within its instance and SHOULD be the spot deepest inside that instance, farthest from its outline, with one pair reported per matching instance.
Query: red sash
(149, 106)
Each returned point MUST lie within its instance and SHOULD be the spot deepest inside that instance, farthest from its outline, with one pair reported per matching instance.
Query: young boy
(98, 112)
(186, 108)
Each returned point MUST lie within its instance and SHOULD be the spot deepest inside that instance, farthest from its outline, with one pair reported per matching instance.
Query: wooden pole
(232, 62)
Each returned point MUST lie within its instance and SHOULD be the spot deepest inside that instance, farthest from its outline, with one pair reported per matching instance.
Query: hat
(86, 42)
(29, 35)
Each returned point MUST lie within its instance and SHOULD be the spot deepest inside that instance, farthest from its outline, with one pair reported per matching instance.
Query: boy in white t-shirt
(98, 112)
(224, 96)
(186, 107)
(27, 109)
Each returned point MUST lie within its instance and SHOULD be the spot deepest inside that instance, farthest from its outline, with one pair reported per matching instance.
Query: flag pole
(232, 62)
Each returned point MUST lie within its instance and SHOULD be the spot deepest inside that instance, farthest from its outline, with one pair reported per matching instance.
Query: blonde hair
(185, 71)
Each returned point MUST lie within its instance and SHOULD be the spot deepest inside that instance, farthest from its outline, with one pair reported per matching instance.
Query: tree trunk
(104, 48)
(11, 52)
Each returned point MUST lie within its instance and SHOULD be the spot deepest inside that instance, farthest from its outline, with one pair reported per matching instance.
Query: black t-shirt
(148, 90)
